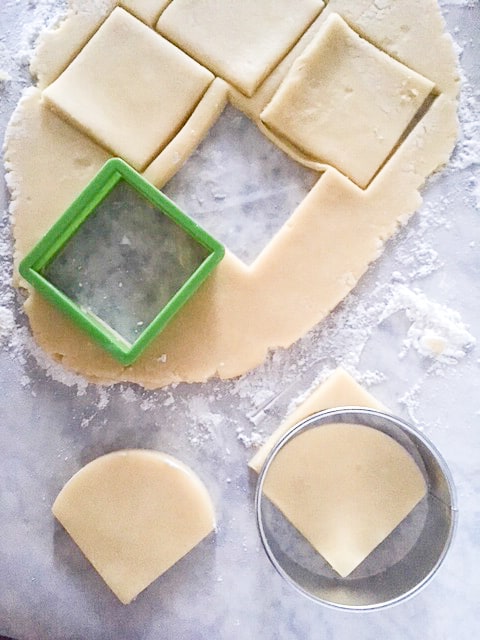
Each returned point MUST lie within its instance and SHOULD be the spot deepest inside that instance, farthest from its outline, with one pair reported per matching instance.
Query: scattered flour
(33, 17)
(203, 424)
(435, 332)
(249, 440)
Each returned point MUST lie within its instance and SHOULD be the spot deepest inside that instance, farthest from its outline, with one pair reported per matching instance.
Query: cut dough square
(346, 103)
(129, 88)
(345, 487)
(240, 40)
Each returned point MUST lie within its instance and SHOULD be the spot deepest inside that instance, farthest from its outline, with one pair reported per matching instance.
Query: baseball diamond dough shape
(345, 487)
(134, 514)
(310, 265)
(359, 482)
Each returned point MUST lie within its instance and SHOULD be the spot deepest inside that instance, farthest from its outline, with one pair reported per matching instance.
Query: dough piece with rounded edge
(122, 89)
(134, 514)
(345, 487)
(338, 390)
(239, 40)
(311, 264)
(346, 103)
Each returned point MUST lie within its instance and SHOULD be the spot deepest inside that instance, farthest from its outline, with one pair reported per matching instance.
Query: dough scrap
(338, 75)
(312, 262)
(133, 110)
(134, 514)
(239, 40)
(175, 154)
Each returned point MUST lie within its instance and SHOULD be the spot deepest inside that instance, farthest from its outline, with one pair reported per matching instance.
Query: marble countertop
(52, 423)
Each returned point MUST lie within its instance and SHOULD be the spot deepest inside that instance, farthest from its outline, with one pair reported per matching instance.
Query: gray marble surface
(52, 423)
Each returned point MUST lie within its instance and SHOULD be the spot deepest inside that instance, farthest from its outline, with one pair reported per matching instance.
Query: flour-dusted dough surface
(311, 264)
(346, 103)
(345, 487)
(123, 90)
(239, 40)
(134, 514)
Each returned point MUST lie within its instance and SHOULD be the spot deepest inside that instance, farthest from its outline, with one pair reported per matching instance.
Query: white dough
(346, 103)
(240, 40)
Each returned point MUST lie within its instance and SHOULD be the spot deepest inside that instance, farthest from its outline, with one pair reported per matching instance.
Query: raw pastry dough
(123, 89)
(346, 103)
(357, 483)
(240, 40)
(134, 514)
(207, 112)
(310, 265)
(338, 390)
(345, 487)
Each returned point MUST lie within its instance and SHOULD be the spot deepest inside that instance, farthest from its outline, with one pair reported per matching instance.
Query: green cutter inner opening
(121, 261)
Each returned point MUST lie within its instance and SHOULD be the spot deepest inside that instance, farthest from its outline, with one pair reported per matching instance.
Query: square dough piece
(132, 108)
(239, 40)
(346, 103)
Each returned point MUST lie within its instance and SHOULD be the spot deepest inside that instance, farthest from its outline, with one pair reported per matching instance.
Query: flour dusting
(433, 331)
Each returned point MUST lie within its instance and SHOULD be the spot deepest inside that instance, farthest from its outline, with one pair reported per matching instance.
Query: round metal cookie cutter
(403, 563)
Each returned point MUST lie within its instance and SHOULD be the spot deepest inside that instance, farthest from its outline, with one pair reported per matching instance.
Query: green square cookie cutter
(32, 268)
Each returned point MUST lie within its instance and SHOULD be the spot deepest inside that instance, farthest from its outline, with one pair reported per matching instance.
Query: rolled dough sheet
(357, 484)
(314, 260)
(134, 514)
